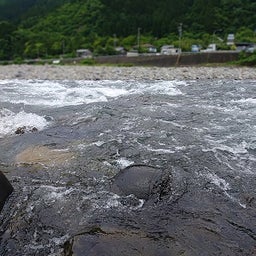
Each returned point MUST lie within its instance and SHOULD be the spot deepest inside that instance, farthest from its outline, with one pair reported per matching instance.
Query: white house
(132, 53)
(169, 50)
(210, 48)
(149, 48)
(231, 39)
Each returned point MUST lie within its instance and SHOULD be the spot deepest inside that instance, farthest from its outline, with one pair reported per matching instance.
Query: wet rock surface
(114, 242)
(142, 181)
(23, 129)
(43, 155)
(5, 189)
(152, 175)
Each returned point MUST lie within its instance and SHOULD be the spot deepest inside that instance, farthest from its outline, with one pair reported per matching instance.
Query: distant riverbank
(73, 72)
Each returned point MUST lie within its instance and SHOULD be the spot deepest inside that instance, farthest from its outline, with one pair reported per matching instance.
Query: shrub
(18, 60)
(88, 61)
(247, 59)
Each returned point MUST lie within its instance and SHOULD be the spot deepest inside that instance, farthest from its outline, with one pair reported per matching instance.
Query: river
(128, 167)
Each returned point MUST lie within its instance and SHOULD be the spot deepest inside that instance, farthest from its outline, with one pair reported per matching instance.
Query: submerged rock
(5, 189)
(44, 156)
(142, 181)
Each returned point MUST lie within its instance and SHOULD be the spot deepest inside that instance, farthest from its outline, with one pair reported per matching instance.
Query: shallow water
(201, 132)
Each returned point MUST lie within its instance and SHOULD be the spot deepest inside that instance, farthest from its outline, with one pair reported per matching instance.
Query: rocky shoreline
(73, 72)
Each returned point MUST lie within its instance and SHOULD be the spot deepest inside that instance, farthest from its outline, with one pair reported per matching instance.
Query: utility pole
(63, 47)
(180, 35)
(138, 38)
(114, 41)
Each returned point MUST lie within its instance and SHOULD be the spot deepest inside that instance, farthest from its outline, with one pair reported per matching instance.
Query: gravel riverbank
(54, 72)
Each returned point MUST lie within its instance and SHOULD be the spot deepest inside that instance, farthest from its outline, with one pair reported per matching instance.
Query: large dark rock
(5, 189)
(142, 181)
(118, 242)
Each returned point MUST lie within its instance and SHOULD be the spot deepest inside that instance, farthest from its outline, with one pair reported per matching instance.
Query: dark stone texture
(5, 189)
(140, 180)
(97, 241)
(194, 192)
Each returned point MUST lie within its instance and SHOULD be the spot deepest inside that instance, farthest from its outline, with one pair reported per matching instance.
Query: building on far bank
(245, 46)
(210, 48)
(132, 53)
(169, 50)
(231, 39)
(120, 50)
(149, 48)
(83, 53)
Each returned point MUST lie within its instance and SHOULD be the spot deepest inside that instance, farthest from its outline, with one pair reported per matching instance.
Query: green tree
(32, 28)
(245, 34)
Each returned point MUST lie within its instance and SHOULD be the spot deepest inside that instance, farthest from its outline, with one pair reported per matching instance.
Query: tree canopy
(39, 28)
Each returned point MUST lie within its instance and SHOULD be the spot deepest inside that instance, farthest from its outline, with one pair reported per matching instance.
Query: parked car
(195, 48)
(210, 48)
(250, 49)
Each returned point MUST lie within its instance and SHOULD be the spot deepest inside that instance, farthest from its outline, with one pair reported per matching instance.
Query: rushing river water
(128, 168)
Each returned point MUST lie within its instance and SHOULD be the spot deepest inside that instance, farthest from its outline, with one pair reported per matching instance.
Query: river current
(63, 143)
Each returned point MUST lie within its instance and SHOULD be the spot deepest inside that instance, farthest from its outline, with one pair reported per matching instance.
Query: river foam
(10, 121)
(46, 94)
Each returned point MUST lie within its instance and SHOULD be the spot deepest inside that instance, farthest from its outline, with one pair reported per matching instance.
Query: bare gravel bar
(73, 72)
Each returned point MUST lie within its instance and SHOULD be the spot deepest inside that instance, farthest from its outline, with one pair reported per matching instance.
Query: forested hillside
(43, 28)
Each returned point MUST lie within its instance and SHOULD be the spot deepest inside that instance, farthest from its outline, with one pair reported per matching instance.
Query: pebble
(75, 72)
